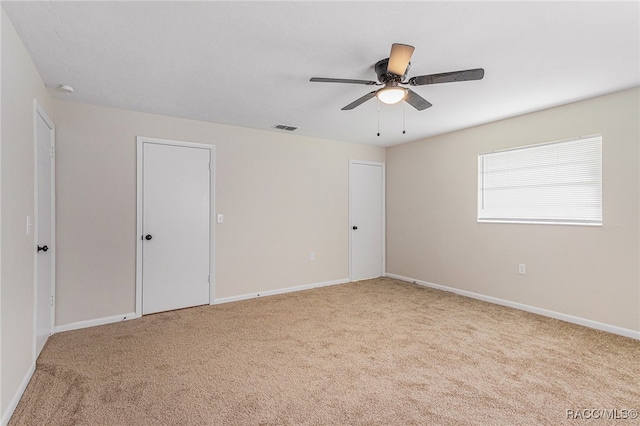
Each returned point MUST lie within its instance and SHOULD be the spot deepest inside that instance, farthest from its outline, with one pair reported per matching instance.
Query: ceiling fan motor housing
(384, 76)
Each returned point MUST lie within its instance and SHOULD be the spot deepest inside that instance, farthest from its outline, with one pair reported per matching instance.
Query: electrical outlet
(312, 257)
(522, 269)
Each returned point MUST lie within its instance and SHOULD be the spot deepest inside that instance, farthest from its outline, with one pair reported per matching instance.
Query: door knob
(355, 227)
(43, 248)
(148, 237)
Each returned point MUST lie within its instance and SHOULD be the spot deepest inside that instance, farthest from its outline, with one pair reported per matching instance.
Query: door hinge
(52, 300)
(52, 152)
(209, 279)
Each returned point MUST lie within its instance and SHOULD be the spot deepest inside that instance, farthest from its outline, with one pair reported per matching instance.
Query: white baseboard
(94, 322)
(6, 416)
(278, 291)
(125, 317)
(545, 312)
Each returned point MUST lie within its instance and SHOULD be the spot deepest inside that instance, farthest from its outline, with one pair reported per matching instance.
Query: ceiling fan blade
(399, 58)
(360, 101)
(447, 77)
(416, 101)
(343, 80)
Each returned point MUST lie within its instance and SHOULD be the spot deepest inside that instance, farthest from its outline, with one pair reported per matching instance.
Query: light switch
(220, 218)
(522, 269)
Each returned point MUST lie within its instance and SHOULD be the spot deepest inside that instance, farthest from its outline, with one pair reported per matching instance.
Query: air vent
(285, 127)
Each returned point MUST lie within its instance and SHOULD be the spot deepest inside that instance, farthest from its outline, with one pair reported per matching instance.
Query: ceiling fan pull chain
(404, 126)
(378, 117)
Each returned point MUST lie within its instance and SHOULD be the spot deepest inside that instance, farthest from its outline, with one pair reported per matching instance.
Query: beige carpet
(376, 352)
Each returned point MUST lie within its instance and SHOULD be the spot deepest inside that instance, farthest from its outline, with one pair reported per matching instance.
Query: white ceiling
(248, 63)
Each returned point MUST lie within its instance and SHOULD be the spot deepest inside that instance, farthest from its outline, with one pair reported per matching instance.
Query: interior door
(366, 211)
(44, 229)
(176, 227)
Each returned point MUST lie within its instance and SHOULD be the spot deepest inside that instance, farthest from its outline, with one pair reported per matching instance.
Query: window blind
(558, 182)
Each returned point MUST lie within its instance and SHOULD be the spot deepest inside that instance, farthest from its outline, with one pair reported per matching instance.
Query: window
(558, 182)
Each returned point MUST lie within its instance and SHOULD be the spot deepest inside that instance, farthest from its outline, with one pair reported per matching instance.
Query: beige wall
(21, 84)
(588, 272)
(282, 195)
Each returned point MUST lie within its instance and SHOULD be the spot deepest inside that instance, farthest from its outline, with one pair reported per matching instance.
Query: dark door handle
(43, 248)
(148, 237)
(355, 227)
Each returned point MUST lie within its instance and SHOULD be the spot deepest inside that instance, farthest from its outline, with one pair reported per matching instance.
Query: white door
(44, 231)
(175, 237)
(366, 211)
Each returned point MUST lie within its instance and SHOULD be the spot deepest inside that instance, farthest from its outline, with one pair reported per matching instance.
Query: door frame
(140, 140)
(38, 111)
(384, 220)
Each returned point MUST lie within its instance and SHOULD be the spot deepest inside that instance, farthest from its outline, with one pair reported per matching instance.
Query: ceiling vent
(285, 127)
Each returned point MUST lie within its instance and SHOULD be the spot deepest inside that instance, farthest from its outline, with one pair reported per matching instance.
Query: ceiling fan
(391, 74)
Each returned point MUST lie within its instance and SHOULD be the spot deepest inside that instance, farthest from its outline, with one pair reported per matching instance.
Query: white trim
(278, 291)
(39, 111)
(19, 392)
(539, 222)
(384, 220)
(95, 322)
(596, 135)
(140, 140)
(540, 311)
(139, 161)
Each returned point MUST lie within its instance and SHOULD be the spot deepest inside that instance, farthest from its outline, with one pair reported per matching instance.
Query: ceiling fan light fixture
(391, 95)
